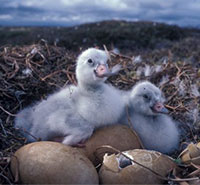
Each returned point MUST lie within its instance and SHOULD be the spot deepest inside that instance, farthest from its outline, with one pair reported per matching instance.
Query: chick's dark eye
(145, 97)
(90, 61)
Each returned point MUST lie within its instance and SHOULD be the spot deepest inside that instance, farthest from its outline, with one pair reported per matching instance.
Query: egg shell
(191, 154)
(120, 137)
(111, 173)
(52, 163)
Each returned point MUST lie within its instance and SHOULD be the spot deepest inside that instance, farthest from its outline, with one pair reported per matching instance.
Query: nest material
(30, 73)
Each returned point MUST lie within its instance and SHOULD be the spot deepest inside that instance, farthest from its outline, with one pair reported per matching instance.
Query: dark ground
(35, 62)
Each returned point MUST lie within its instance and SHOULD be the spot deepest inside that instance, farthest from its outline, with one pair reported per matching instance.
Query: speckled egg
(52, 163)
(120, 137)
(117, 169)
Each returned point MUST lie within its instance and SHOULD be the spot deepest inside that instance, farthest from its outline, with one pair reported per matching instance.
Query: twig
(3, 128)
(50, 75)
(7, 179)
(196, 172)
(107, 52)
(11, 75)
(71, 79)
(10, 114)
(121, 56)
(171, 107)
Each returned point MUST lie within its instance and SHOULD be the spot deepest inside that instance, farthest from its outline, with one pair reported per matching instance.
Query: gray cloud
(71, 12)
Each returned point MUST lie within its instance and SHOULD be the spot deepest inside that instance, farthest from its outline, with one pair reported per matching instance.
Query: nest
(30, 73)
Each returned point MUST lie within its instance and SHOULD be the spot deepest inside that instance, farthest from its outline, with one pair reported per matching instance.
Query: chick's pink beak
(159, 108)
(101, 70)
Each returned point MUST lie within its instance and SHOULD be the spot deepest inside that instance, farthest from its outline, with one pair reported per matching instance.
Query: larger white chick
(75, 111)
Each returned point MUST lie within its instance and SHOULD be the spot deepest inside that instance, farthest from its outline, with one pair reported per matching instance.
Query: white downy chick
(96, 101)
(75, 111)
(156, 130)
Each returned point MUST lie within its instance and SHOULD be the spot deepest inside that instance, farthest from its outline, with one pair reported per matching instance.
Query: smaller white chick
(156, 130)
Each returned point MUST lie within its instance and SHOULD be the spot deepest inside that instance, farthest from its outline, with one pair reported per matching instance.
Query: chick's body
(75, 111)
(156, 130)
(102, 105)
(55, 117)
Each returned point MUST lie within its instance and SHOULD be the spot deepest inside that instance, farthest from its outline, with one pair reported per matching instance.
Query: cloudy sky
(73, 12)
